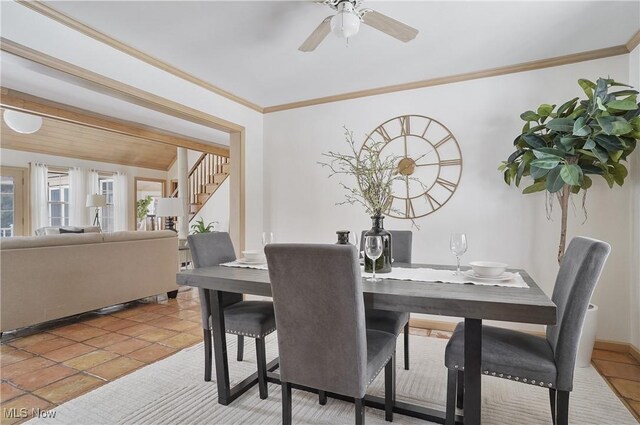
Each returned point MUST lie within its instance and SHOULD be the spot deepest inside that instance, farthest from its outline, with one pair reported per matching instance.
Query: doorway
(13, 202)
(147, 192)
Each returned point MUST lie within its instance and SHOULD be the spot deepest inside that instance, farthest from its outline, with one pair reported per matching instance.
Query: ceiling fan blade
(316, 37)
(387, 25)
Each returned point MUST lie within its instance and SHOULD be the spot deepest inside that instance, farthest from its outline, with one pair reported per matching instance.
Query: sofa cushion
(131, 235)
(20, 242)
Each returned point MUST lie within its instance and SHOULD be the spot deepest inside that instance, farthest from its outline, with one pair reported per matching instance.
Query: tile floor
(45, 366)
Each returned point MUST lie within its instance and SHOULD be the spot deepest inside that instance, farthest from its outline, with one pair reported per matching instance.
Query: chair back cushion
(212, 249)
(319, 307)
(579, 272)
(401, 241)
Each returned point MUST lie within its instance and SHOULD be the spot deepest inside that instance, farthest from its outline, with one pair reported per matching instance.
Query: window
(58, 202)
(106, 217)
(7, 215)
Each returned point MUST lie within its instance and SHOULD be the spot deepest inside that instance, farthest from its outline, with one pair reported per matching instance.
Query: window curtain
(93, 185)
(120, 202)
(39, 196)
(78, 190)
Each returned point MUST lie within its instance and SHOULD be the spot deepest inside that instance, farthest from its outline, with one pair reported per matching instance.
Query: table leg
(220, 347)
(472, 371)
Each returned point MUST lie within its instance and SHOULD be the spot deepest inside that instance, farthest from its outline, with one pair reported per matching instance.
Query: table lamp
(170, 208)
(96, 201)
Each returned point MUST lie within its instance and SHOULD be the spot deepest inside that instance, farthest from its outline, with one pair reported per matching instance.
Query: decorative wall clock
(430, 162)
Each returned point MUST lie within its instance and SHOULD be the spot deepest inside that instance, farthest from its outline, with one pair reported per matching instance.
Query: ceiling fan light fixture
(21, 122)
(345, 23)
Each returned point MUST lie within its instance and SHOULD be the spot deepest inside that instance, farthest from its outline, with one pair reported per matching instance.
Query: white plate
(246, 261)
(504, 277)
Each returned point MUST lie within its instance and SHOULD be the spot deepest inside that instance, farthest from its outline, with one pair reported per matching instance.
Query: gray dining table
(471, 302)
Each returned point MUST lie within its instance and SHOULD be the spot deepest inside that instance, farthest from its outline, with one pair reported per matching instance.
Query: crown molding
(633, 42)
(492, 72)
(74, 24)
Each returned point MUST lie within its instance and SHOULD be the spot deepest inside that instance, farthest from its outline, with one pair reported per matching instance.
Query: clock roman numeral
(405, 125)
(432, 201)
(450, 186)
(443, 141)
(426, 128)
(450, 162)
(409, 211)
(382, 132)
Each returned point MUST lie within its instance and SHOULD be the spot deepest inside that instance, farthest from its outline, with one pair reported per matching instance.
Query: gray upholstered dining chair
(393, 321)
(546, 362)
(322, 338)
(254, 319)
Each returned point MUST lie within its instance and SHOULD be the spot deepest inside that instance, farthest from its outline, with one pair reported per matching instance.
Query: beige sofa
(43, 278)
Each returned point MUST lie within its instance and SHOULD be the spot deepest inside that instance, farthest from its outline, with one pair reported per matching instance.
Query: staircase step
(211, 187)
(219, 177)
(194, 208)
(202, 198)
(226, 168)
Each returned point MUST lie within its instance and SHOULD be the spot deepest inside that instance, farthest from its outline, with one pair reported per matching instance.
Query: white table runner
(446, 276)
(418, 275)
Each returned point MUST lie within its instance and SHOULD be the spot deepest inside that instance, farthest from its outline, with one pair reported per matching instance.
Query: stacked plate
(489, 271)
(252, 257)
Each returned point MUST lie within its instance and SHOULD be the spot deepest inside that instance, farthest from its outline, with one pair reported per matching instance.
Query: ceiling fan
(346, 23)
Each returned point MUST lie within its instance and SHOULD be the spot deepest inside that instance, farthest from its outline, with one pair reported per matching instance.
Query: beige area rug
(172, 391)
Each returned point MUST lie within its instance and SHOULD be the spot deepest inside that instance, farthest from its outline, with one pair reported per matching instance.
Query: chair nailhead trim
(376, 374)
(515, 378)
(250, 335)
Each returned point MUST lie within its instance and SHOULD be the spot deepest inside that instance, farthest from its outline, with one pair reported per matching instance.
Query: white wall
(500, 222)
(27, 27)
(634, 299)
(13, 158)
(216, 209)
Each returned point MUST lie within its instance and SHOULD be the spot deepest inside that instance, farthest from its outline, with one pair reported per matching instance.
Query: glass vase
(383, 263)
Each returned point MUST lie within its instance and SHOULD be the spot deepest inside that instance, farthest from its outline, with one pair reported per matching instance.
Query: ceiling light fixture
(21, 122)
(345, 23)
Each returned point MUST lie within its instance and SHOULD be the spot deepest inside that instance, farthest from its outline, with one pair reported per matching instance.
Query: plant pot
(587, 337)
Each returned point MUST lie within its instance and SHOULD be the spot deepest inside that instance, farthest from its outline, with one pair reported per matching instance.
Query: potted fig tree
(562, 148)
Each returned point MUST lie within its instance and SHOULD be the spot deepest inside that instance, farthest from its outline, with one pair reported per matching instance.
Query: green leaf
(609, 178)
(601, 154)
(601, 88)
(587, 87)
(568, 142)
(520, 172)
(529, 116)
(578, 112)
(586, 182)
(600, 104)
(591, 169)
(567, 107)
(610, 143)
(624, 93)
(546, 163)
(546, 152)
(616, 155)
(561, 124)
(571, 174)
(502, 166)
(515, 156)
(537, 172)
(622, 105)
(545, 110)
(619, 173)
(536, 187)
(554, 181)
(580, 128)
(589, 144)
(613, 125)
(534, 141)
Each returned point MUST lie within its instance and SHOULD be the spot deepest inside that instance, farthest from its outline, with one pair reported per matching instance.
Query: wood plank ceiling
(77, 141)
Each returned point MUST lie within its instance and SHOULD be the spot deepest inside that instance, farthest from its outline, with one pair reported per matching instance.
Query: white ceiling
(250, 47)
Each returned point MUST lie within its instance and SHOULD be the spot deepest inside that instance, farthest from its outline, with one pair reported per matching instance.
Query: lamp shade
(96, 200)
(21, 122)
(170, 207)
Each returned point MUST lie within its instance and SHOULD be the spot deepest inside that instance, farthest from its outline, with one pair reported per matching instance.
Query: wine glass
(458, 246)
(267, 238)
(373, 249)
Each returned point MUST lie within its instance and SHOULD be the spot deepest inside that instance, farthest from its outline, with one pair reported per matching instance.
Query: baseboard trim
(601, 344)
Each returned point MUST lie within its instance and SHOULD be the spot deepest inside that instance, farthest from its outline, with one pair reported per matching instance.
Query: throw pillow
(63, 230)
